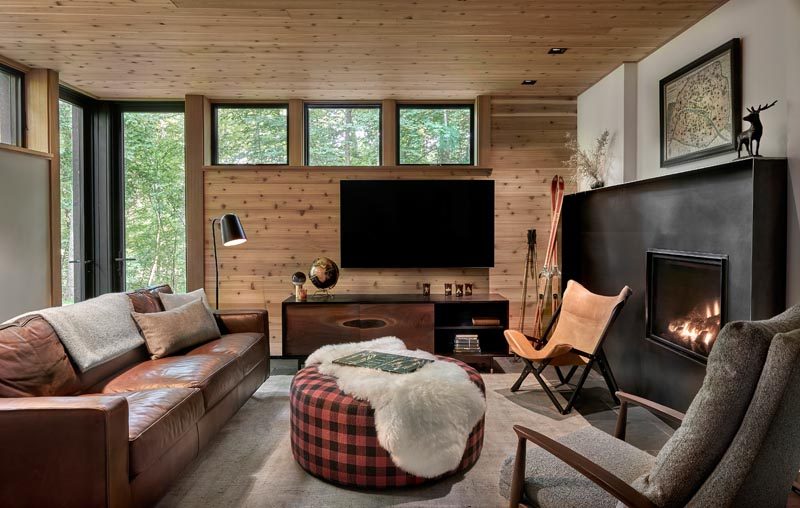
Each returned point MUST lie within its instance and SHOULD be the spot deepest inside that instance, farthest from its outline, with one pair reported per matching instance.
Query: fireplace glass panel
(686, 302)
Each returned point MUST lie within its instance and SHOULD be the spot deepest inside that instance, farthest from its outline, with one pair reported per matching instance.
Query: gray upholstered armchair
(738, 443)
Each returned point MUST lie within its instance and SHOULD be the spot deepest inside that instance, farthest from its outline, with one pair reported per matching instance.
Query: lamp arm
(216, 261)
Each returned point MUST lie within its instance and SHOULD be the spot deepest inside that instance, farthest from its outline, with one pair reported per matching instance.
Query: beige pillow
(173, 330)
(173, 301)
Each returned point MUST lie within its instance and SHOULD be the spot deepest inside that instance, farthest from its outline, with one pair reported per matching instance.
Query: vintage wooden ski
(546, 290)
(555, 279)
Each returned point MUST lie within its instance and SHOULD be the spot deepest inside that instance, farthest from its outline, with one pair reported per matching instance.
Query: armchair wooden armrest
(627, 398)
(603, 478)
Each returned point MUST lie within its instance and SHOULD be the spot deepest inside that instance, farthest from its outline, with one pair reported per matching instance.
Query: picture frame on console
(700, 106)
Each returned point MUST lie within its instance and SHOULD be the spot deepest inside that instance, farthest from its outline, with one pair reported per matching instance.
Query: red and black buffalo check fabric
(334, 437)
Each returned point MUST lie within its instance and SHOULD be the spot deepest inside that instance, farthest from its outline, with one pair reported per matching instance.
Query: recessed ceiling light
(557, 51)
(529, 82)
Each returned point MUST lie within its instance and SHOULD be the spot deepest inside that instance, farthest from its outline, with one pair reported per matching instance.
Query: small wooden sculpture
(751, 136)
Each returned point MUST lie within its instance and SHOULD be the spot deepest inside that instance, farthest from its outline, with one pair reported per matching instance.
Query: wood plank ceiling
(336, 49)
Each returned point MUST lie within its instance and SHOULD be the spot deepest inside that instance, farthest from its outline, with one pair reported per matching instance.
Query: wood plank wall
(526, 151)
(291, 215)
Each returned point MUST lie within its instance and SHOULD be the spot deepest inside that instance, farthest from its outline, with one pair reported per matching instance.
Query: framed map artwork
(701, 105)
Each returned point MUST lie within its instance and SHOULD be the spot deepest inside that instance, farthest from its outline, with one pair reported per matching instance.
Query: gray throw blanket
(97, 330)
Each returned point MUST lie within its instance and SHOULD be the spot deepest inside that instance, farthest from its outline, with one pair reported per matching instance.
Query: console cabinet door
(310, 326)
(411, 322)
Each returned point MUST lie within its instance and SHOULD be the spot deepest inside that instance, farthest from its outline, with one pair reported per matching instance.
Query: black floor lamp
(232, 234)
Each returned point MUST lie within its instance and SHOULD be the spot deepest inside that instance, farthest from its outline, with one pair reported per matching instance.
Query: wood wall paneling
(38, 103)
(291, 215)
(197, 121)
(526, 151)
(483, 129)
(389, 132)
(296, 132)
(42, 135)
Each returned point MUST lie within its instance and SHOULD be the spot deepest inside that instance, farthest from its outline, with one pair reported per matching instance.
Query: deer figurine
(751, 136)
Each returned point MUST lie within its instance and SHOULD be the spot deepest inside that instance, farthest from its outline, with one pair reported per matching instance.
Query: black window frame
(20, 120)
(438, 105)
(342, 105)
(215, 107)
(85, 185)
(116, 184)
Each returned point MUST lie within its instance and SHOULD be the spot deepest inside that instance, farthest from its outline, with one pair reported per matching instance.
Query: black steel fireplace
(686, 293)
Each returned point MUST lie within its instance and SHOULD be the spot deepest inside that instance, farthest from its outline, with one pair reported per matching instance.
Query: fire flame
(698, 330)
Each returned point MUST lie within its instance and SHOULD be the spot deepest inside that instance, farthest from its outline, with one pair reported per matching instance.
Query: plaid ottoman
(334, 437)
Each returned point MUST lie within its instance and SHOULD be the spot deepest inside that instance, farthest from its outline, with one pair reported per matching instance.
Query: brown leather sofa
(119, 434)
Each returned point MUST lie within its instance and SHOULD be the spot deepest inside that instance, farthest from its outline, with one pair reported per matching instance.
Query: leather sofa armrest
(243, 321)
(64, 451)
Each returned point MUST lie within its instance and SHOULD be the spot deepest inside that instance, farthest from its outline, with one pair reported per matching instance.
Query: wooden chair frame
(598, 358)
(606, 480)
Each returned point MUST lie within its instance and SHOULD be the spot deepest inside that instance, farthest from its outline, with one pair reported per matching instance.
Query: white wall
(770, 34)
(25, 230)
(611, 105)
(761, 26)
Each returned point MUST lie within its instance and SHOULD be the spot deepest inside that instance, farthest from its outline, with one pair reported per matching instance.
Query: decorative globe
(324, 273)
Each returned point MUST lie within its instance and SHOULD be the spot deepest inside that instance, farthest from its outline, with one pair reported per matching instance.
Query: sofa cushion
(147, 300)
(170, 331)
(174, 300)
(716, 413)
(214, 375)
(33, 362)
(248, 348)
(157, 419)
(550, 482)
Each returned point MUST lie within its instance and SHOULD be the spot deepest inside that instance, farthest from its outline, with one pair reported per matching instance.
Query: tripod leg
(524, 304)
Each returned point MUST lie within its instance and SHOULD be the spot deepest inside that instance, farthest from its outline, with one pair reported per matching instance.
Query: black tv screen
(417, 223)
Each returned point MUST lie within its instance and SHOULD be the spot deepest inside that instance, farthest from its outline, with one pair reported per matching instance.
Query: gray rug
(249, 463)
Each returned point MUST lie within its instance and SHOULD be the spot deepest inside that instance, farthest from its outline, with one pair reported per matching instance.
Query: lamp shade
(232, 230)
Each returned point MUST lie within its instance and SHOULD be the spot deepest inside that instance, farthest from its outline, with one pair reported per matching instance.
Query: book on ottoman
(386, 362)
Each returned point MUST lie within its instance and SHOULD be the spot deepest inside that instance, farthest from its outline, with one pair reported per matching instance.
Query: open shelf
(451, 320)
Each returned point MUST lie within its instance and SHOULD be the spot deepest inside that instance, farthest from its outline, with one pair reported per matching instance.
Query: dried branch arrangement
(589, 165)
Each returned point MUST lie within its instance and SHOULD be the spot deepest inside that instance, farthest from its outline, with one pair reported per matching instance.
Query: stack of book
(465, 343)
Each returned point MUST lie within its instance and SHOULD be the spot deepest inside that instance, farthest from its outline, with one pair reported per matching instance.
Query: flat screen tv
(417, 223)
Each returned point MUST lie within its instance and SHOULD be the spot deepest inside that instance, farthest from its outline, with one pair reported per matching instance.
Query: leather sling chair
(579, 327)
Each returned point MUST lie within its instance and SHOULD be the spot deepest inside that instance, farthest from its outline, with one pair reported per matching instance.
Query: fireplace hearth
(685, 300)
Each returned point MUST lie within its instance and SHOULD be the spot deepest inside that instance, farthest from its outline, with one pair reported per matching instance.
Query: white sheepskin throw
(423, 418)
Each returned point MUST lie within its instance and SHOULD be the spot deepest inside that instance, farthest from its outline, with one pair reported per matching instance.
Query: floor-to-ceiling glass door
(153, 239)
(73, 165)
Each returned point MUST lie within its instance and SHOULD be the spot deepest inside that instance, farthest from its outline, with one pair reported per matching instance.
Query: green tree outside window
(434, 136)
(155, 204)
(253, 135)
(344, 136)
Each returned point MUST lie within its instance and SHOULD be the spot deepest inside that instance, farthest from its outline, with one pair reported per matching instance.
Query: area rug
(249, 463)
